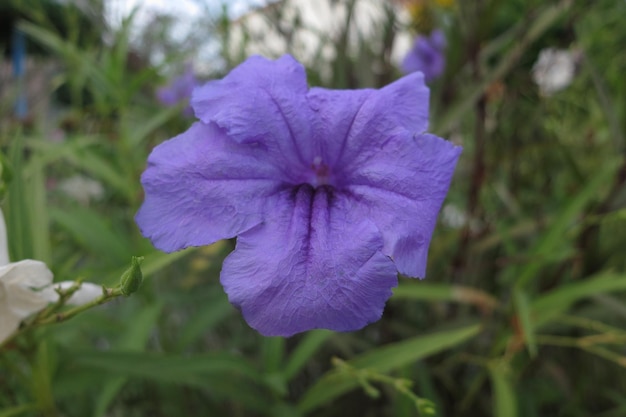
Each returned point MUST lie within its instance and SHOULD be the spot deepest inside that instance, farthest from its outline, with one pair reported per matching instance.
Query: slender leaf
(306, 348)
(214, 311)
(222, 374)
(559, 300)
(94, 233)
(19, 228)
(555, 234)
(383, 359)
(504, 400)
(444, 292)
(523, 313)
(18, 410)
(142, 130)
(272, 351)
(167, 368)
(134, 339)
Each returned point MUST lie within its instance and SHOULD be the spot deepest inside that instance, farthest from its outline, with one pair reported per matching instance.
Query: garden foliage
(522, 311)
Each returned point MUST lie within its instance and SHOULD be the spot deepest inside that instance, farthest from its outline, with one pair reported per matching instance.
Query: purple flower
(179, 90)
(427, 56)
(329, 192)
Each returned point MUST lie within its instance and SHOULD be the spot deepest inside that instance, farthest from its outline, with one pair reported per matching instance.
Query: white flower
(554, 70)
(4, 246)
(26, 288)
(86, 293)
(453, 217)
(18, 299)
(82, 189)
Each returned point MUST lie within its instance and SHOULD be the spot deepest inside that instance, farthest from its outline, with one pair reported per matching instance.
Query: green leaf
(222, 374)
(383, 359)
(99, 167)
(17, 410)
(306, 348)
(504, 400)
(156, 261)
(272, 351)
(140, 328)
(425, 292)
(523, 313)
(416, 290)
(94, 233)
(84, 152)
(549, 242)
(554, 235)
(550, 305)
(41, 380)
(134, 339)
(142, 130)
(389, 357)
(166, 367)
(35, 197)
(18, 209)
(216, 309)
(109, 391)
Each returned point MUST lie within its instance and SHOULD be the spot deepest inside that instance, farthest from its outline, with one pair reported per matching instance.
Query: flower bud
(133, 277)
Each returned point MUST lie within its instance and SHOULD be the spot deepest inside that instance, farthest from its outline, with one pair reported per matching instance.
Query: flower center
(321, 172)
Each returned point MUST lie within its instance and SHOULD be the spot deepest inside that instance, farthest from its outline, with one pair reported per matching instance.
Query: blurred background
(523, 309)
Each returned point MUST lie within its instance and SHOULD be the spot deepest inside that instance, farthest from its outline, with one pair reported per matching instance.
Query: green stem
(401, 385)
(108, 294)
(50, 316)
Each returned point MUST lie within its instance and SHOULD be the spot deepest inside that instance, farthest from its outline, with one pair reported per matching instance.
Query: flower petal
(352, 122)
(27, 272)
(20, 281)
(86, 293)
(9, 322)
(311, 265)
(401, 188)
(201, 187)
(4, 244)
(427, 56)
(262, 101)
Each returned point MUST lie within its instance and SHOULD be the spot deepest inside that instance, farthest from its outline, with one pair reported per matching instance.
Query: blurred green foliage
(522, 313)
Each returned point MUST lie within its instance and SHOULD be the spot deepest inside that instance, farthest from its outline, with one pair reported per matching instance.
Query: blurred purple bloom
(179, 90)
(427, 56)
(329, 192)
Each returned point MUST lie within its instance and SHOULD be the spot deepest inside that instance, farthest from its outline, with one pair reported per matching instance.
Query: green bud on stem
(133, 277)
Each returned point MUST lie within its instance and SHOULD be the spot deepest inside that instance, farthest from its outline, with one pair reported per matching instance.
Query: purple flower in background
(179, 90)
(427, 56)
(329, 192)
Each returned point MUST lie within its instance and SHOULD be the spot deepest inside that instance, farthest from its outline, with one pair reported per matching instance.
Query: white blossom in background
(82, 189)
(26, 288)
(455, 218)
(554, 70)
(452, 216)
